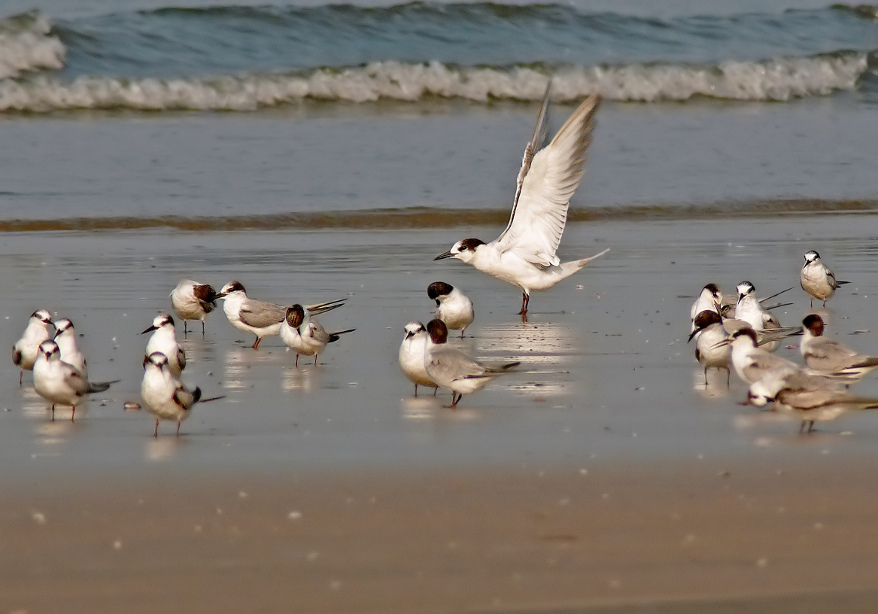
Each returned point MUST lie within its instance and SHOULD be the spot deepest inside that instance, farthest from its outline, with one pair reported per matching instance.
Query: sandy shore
(742, 537)
(601, 476)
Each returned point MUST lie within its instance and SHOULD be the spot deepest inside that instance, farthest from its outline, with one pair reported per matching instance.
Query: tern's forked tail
(569, 268)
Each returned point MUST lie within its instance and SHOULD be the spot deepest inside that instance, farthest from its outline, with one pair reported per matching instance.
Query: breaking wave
(772, 80)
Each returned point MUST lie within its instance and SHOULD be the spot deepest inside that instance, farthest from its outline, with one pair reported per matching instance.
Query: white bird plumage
(164, 340)
(25, 351)
(258, 317)
(525, 252)
(817, 279)
(164, 395)
(453, 369)
(59, 382)
(452, 306)
(411, 356)
(65, 337)
(191, 300)
(304, 335)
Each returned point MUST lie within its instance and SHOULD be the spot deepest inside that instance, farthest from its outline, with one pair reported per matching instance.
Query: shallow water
(606, 374)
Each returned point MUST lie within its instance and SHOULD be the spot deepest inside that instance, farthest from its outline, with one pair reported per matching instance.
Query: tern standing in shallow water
(411, 356)
(59, 382)
(832, 358)
(304, 335)
(65, 337)
(164, 395)
(452, 368)
(258, 317)
(817, 280)
(524, 254)
(26, 349)
(191, 300)
(164, 340)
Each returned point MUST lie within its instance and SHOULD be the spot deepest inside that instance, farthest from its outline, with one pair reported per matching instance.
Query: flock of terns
(524, 255)
(737, 334)
(740, 335)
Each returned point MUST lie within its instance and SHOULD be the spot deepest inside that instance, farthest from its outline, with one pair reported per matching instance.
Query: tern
(164, 395)
(59, 382)
(65, 337)
(191, 300)
(304, 335)
(411, 356)
(710, 351)
(258, 317)
(749, 309)
(817, 280)
(752, 363)
(524, 254)
(810, 397)
(710, 299)
(164, 340)
(453, 306)
(832, 358)
(452, 368)
(26, 349)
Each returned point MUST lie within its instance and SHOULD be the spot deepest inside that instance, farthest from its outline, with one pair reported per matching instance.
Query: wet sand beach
(600, 476)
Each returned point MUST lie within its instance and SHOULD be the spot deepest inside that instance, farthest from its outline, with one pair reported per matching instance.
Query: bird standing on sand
(524, 254)
(453, 306)
(411, 356)
(452, 368)
(191, 300)
(26, 349)
(304, 335)
(817, 280)
(258, 317)
(59, 382)
(164, 340)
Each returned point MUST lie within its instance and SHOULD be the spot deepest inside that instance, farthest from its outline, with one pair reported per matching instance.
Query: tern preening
(193, 301)
(524, 254)
(453, 306)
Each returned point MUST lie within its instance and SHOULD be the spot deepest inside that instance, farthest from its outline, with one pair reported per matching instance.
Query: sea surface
(222, 115)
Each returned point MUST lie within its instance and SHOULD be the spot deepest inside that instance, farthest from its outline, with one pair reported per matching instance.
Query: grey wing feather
(536, 143)
(451, 365)
(318, 333)
(260, 314)
(829, 356)
(538, 218)
(76, 381)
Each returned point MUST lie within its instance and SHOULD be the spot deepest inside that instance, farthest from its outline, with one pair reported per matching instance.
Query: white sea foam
(774, 80)
(26, 45)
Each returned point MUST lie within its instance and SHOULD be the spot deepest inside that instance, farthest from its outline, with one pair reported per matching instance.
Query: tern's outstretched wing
(260, 314)
(546, 183)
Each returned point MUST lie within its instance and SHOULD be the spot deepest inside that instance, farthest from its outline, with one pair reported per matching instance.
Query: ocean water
(142, 113)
